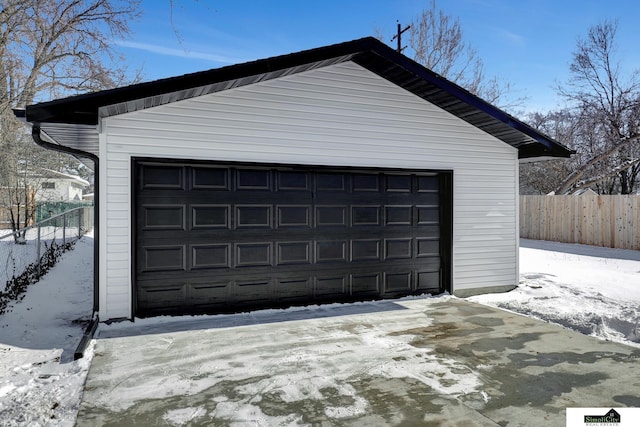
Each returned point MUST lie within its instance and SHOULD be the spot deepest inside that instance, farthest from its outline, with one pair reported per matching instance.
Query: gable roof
(52, 174)
(72, 121)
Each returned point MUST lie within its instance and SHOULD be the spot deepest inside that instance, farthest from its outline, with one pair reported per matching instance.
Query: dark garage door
(221, 238)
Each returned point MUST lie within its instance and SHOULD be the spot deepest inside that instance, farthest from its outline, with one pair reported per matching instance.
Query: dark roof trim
(367, 52)
(83, 109)
(472, 100)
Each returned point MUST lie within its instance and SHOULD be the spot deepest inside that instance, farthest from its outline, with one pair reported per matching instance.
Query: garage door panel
(330, 286)
(210, 216)
(209, 294)
(397, 183)
(292, 181)
(331, 251)
(427, 247)
(162, 177)
(429, 281)
(398, 248)
(366, 250)
(257, 254)
(365, 182)
(293, 216)
(253, 180)
(331, 216)
(210, 179)
(208, 256)
(293, 289)
(293, 253)
(365, 215)
(252, 292)
(427, 215)
(398, 282)
(364, 284)
(330, 182)
(163, 217)
(253, 216)
(224, 237)
(163, 258)
(428, 184)
(398, 215)
(165, 298)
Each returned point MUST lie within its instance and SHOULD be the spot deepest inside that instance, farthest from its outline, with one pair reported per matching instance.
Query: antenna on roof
(398, 36)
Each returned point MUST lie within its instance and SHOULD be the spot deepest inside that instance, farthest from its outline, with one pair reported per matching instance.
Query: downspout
(91, 328)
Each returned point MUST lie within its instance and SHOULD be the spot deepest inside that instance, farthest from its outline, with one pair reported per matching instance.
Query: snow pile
(40, 384)
(589, 289)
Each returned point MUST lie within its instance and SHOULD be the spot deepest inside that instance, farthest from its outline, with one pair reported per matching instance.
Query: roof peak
(368, 52)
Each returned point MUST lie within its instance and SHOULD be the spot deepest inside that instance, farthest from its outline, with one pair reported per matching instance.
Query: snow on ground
(590, 289)
(15, 258)
(40, 384)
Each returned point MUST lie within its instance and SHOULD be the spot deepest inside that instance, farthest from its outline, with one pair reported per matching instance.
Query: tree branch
(573, 178)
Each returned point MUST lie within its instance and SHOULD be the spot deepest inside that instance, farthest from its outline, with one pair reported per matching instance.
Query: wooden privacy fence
(611, 221)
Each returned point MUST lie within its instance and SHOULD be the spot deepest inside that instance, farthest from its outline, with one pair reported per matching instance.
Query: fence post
(64, 228)
(38, 252)
(80, 212)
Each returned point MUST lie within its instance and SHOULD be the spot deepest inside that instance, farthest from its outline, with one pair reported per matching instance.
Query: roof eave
(551, 147)
(82, 109)
(370, 53)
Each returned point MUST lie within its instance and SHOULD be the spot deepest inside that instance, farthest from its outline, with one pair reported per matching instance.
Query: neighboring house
(55, 186)
(347, 172)
(50, 193)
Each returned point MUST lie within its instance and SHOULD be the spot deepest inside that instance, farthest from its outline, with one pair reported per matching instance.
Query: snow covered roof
(49, 173)
(583, 191)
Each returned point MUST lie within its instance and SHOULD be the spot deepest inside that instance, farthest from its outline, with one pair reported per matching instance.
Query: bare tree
(544, 177)
(50, 48)
(607, 105)
(436, 40)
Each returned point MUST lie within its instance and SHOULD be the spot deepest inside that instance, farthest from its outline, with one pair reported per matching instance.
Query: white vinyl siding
(341, 115)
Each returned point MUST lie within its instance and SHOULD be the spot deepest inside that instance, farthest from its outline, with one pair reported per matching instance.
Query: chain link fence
(46, 210)
(27, 254)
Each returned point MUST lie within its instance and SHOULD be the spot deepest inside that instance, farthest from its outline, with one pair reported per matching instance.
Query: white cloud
(511, 37)
(181, 53)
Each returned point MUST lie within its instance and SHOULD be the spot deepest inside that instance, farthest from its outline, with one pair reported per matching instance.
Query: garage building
(347, 172)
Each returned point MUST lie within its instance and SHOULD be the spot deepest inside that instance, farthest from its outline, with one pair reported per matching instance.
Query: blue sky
(526, 42)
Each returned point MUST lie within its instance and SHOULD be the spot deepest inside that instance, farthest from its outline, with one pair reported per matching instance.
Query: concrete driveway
(425, 362)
